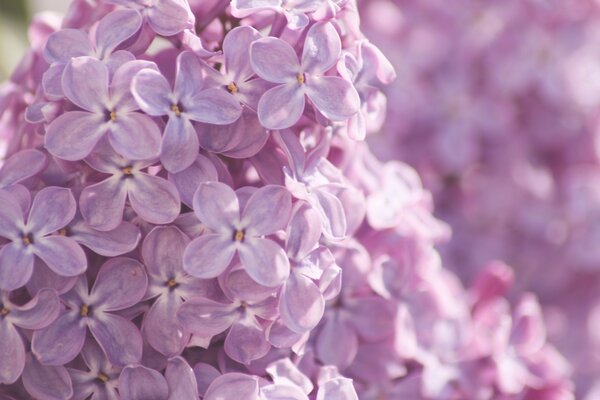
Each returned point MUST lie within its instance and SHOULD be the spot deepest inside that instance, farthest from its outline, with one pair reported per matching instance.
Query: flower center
(301, 78)
(127, 171)
(176, 109)
(27, 238)
(102, 377)
(232, 88)
(172, 284)
(63, 231)
(85, 310)
(238, 236)
(4, 311)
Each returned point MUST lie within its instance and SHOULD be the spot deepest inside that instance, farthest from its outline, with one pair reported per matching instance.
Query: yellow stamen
(85, 310)
(128, 170)
(238, 236)
(4, 311)
(301, 79)
(232, 88)
(103, 377)
(176, 110)
(26, 240)
(171, 283)
(113, 115)
(63, 232)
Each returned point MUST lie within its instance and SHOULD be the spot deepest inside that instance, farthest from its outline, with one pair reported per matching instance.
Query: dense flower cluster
(496, 106)
(188, 211)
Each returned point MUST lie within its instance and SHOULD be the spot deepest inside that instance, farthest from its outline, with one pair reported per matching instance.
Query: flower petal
(85, 83)
(61, 254)
(179, 146)
(283, 392)
(135, 136)
(115, 28)
(119, 338)
(141, 383)
(66, 44)
(61, 341)
(333, 96)
(181, 380)
(16, 266)
(11, 215)
(337, 389)
(162, 251)
(38, 313)
(322, 48)
(281, 106)
(246, 340)
(336, 342)
(274, 60)
(161, 329)
(205, 317)
(236, 47)
(233, 386)
(265, 261)
(53, 208)
(208, 255)
(267, 210)
(152, 91)
(154, 199)
(213, 106)
(301, 303)
(46, 382)
(12, 353)
(73, 135)
(169, 17)
(120, 283)
(372, 318)
(188, 180)
(217, 206)
(304, 231)
(333, 218)
(122, 100)
(123, 239)
(22, 165)
(102, 204)
(188, 76)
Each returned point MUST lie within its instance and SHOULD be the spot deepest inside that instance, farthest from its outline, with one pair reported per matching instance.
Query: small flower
(52, 209)
(165, 17)
(275, 61)
(294, 10)
(101, 378)
(233, 232)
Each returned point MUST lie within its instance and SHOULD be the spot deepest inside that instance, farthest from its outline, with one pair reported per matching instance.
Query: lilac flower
(232, 232)
(154, 199)
(66, 44)
(165, 17)
(185, 103)
(162, 252)
(45, 381)
(108, 110)
(248, 303)
(294, 10)
(21, 166)
(38, 313)
(52, 209)
(101, 378)
(275, 61)
(121, 283)
(231, 385)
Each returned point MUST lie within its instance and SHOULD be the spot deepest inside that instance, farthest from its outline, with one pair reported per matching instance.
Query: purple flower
(232, 232)
(46, 381)
(162, 252)
(21, 166)
(275, 61)
(38, 313)
(52, 209)
(121, 283)
(294, 10)
(165, 17)
(101, 378)
(108, 110)
(185, 103)
(154, 199)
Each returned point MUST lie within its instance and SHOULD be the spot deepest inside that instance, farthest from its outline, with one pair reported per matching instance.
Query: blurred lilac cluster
(188, 210)
(496, 106)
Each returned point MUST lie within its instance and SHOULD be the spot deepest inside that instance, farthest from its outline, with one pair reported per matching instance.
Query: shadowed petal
(12, 353)
(66, 44)
(141, 383)
(274, 60)
(332, 213)
(73, 135)
(161, 327)
(304, 231)
(236, 46)
(246, 340)
(322, 48)
(135, 136)
(38, 313)
(372, 318)
(46, 382)
(121, 283)
(102, 204)
(336, 343)
(301, 303)
(121, 95)
(181, 380)
(208, 255)
(265, 261)
(151, 91)
(53, 208)
(123, 239)
(233, 386)
(22, 165)
(188, 180)
(213, 106)
(281, 106)
(162, 251)
(283, 392)
(205, 317)
(16, 266)
(154, 199)
(217, 206)
(61, 341)
(11, 216)
(267, 210)
(108, 38)
(179, 147)
(333, 96)
(61, 254)
(85, 83)
(119, 338)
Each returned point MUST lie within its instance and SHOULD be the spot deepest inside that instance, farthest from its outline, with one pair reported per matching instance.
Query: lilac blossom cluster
(188, 210)
(496, 106)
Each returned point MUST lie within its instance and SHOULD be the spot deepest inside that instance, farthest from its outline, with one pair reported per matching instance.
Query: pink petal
(46, 382)
(38, 313)
(282, 106)
(11, 216)
(188, 180)
(246, 340)
(73, 135)
(337, 389)
(205, 317)
(22, 165)
(152, 92)
(179, 146)
(372, 317)
(217, 206)
(301, 303)
(102, 204)
(233, 386)
(188, 76)
(283, 392)
(236, 46)
(161, 328)
(304, 231)
(16, 266)
(141, 383)
(267, 210)
(123, 239)
(333, 96)
(154, 199)
(322, 48)
(85, 83)
(332, 213)
(274, 60)
(66, 44)
(108, 38)
(122, 99)
(120, 283)
(265, 261)
(135, 136)
(181, 380)
(162, 251)
(119, 338)
(169, 17)
(61, 254)
(53, 208)
(208, 256)
(336, 342)
(213, 106)
(61, 341)
(12, 353)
